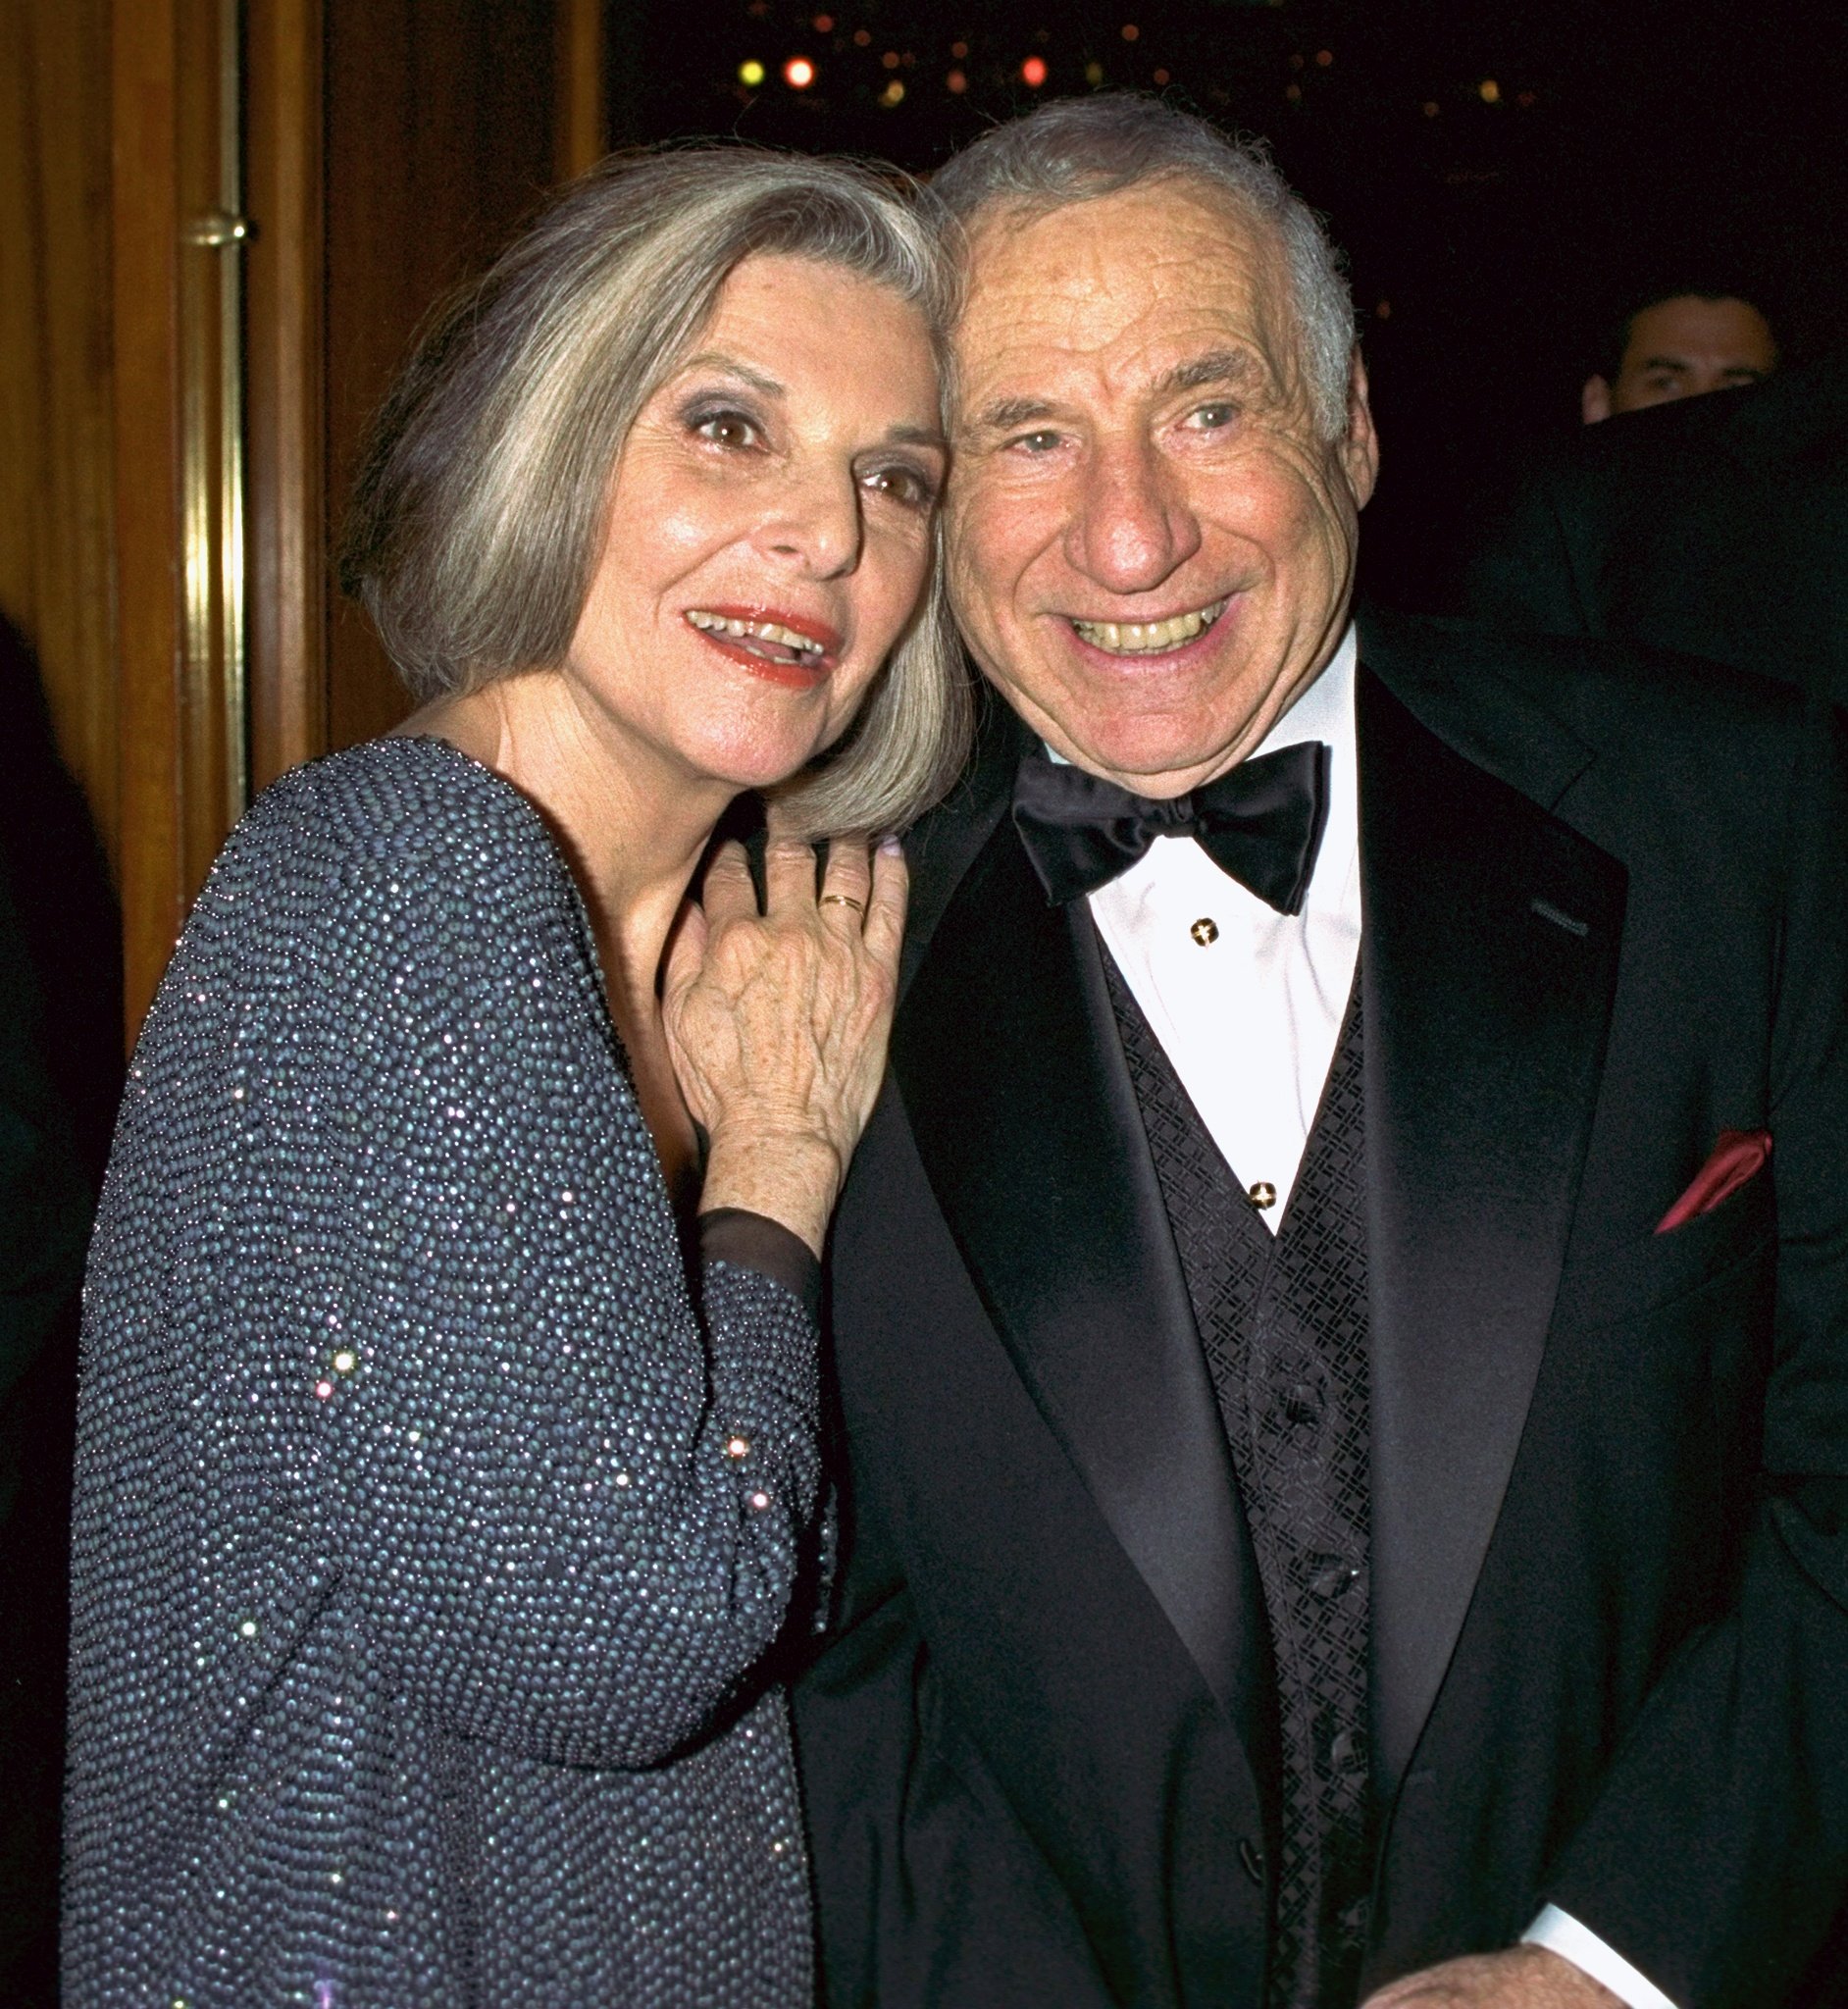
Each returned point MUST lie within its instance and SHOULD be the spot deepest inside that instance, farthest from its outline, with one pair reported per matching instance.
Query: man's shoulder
(943, 846)
(1504, 697)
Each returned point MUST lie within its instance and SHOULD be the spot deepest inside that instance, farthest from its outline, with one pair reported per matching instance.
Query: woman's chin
(758, 763)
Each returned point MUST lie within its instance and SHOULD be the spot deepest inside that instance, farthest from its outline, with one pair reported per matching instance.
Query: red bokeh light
(798, 72)
(1033, 72)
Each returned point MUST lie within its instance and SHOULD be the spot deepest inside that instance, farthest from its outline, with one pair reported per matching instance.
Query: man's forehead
(1127, 291)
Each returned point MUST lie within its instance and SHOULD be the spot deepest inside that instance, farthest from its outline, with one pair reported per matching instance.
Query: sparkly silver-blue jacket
(428, 1533)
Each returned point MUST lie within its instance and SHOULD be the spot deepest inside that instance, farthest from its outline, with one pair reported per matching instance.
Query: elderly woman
(435, 1510)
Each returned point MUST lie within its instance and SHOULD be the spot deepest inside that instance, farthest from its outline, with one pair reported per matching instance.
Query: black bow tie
(1261, 823)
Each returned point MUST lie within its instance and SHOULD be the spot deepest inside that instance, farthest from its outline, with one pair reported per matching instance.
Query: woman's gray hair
(477, 515)
(1076, 149)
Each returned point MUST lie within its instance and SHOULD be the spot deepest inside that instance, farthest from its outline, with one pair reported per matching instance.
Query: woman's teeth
(1149, 637)
(803, 647)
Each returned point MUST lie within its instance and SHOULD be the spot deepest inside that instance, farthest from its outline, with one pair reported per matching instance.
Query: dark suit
(1718, 525)
(1603, 921)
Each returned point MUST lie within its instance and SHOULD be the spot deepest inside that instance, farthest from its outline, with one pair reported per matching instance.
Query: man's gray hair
(1076, 149)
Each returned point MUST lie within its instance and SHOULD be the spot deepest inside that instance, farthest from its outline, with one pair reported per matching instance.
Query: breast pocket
(1611, 1280)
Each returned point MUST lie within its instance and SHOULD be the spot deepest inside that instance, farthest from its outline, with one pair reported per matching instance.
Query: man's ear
(1594, 401)
(1359, 444)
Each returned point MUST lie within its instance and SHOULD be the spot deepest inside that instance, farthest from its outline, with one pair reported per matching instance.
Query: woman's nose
(816, 522)
(1133, 525)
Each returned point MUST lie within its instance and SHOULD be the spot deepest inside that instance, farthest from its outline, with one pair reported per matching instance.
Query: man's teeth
(760, 631)
(1149, 637)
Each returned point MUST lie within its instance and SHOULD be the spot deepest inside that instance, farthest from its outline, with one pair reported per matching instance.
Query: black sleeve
(753, 1241)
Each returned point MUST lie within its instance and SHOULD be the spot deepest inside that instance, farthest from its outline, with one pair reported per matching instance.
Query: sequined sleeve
(446, 1313)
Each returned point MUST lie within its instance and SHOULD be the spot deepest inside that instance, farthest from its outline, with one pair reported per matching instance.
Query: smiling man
(1347, 1494)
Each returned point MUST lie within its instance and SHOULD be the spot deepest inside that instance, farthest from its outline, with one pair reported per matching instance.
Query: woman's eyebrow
(716, 359)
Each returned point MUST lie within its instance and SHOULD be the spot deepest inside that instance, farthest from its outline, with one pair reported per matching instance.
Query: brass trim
(212, 446)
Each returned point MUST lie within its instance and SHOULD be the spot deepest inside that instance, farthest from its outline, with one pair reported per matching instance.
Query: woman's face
(769, 527)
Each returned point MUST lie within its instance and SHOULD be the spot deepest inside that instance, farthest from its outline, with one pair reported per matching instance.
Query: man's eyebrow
(1667, 363)
(1008, 412)
(716, 359)
(1216, 368)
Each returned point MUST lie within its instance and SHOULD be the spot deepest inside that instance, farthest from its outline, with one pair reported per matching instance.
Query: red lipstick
(752, 652)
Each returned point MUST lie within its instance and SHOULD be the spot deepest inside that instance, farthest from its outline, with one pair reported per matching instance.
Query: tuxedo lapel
(1006, 1054)
(1491, 936)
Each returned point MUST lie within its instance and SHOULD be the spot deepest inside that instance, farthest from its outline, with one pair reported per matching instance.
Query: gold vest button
(1204, 931)
(1262, 1194)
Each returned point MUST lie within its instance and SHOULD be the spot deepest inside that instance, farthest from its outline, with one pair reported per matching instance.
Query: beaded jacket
(428, 1531)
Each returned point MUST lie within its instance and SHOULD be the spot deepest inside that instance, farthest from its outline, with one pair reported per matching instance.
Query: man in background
(1680, 344)
(1717, 529)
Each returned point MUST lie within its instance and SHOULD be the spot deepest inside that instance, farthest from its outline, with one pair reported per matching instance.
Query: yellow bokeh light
(1094, 74)
(750, 74)
(1489, 92)
(893, 94)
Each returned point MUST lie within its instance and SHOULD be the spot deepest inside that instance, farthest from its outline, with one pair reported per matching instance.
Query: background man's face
(1150, 545)
(1684, 347)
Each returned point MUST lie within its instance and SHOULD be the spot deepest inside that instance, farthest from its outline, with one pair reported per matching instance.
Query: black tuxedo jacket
(1604, 920)
(1718, 525)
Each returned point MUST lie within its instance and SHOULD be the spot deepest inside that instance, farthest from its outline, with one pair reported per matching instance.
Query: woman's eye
(725, 428)
(904, 485)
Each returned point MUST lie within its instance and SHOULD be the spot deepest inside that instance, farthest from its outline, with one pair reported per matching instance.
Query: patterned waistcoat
(1283, 1322)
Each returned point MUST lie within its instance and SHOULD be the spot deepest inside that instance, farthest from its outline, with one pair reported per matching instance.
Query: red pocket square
(1737, 1155)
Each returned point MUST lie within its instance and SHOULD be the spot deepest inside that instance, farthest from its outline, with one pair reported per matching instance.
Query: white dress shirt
(1247, 1004)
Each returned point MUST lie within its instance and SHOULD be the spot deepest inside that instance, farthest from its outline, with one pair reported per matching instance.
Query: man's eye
(904, 485)
(1037, 443)
(1214, 418)
(725, 428)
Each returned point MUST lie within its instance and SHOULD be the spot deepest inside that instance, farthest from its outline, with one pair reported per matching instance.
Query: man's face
(1684, 347)
(1150, 544)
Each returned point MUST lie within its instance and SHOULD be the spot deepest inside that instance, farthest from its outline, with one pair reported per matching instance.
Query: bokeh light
(893, 94)
(1033, 72)
(750, 74)
(798, 72)
(1489, 92)
(956, 84)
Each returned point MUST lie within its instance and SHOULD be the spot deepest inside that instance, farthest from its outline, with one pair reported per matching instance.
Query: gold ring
(841, 900)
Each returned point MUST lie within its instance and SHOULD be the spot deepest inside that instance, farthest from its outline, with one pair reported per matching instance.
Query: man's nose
(816, 522)
(1133, 525)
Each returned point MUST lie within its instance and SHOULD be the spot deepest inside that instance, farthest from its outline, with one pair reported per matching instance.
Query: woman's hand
(777, 1022)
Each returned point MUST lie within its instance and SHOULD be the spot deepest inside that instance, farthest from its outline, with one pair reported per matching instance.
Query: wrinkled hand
(777, 1022)
(1521, 1977)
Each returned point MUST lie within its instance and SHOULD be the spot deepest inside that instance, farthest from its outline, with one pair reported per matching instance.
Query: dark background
(1502, 175)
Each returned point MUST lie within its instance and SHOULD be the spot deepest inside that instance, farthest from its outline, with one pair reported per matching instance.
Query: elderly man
(1347, 1420)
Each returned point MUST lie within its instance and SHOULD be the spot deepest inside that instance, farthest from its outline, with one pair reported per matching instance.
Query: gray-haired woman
(435, 1516)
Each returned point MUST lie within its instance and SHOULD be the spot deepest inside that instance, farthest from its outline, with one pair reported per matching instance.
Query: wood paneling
(391, 145)
(439, 137)
(287, 457)
(56, 580)
(149, 535)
